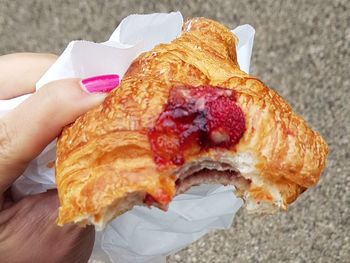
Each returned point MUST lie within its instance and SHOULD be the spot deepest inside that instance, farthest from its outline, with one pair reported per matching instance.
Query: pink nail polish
(101, 84)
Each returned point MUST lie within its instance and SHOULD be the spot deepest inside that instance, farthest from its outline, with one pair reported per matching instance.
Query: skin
(28, 232)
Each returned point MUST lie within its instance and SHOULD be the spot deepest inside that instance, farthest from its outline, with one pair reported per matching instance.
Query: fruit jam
(196, 118)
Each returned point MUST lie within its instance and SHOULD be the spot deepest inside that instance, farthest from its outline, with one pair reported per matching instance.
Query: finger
(20, 72)
(26, 130)
(30, 227)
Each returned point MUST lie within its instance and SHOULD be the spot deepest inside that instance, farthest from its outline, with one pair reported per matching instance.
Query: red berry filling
(196, 117)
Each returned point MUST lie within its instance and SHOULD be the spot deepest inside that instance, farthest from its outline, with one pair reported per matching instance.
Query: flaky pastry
(185, 114)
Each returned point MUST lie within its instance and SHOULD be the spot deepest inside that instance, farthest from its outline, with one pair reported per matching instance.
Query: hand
(28, 232)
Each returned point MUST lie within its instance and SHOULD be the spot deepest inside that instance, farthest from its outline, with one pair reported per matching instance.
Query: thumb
(26, 130)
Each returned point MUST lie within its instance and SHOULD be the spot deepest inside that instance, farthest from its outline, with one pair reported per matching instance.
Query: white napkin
(142, 234)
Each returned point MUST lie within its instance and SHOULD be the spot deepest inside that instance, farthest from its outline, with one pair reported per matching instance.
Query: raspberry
(205, 116)
(225, 121)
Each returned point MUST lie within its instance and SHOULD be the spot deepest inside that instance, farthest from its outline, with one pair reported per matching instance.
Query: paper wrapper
(142, 234)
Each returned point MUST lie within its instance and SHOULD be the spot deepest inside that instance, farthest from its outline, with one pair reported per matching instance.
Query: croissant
(185, 114)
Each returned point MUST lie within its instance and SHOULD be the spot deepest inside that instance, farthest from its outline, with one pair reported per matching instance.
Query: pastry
(185, 114)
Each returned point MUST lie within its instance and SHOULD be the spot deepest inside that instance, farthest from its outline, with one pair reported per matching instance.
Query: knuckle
(61, 92)
(50, 93)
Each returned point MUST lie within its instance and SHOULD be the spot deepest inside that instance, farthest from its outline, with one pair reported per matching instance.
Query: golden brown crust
(106, 155)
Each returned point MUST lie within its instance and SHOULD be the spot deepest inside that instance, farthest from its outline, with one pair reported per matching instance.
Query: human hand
(28, 232)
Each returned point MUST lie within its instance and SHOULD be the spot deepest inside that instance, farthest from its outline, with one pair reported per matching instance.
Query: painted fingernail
(100, 84)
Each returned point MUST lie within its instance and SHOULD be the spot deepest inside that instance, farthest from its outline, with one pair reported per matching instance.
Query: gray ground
(302, 49)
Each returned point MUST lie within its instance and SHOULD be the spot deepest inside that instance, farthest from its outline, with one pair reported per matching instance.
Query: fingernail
(100, 84)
